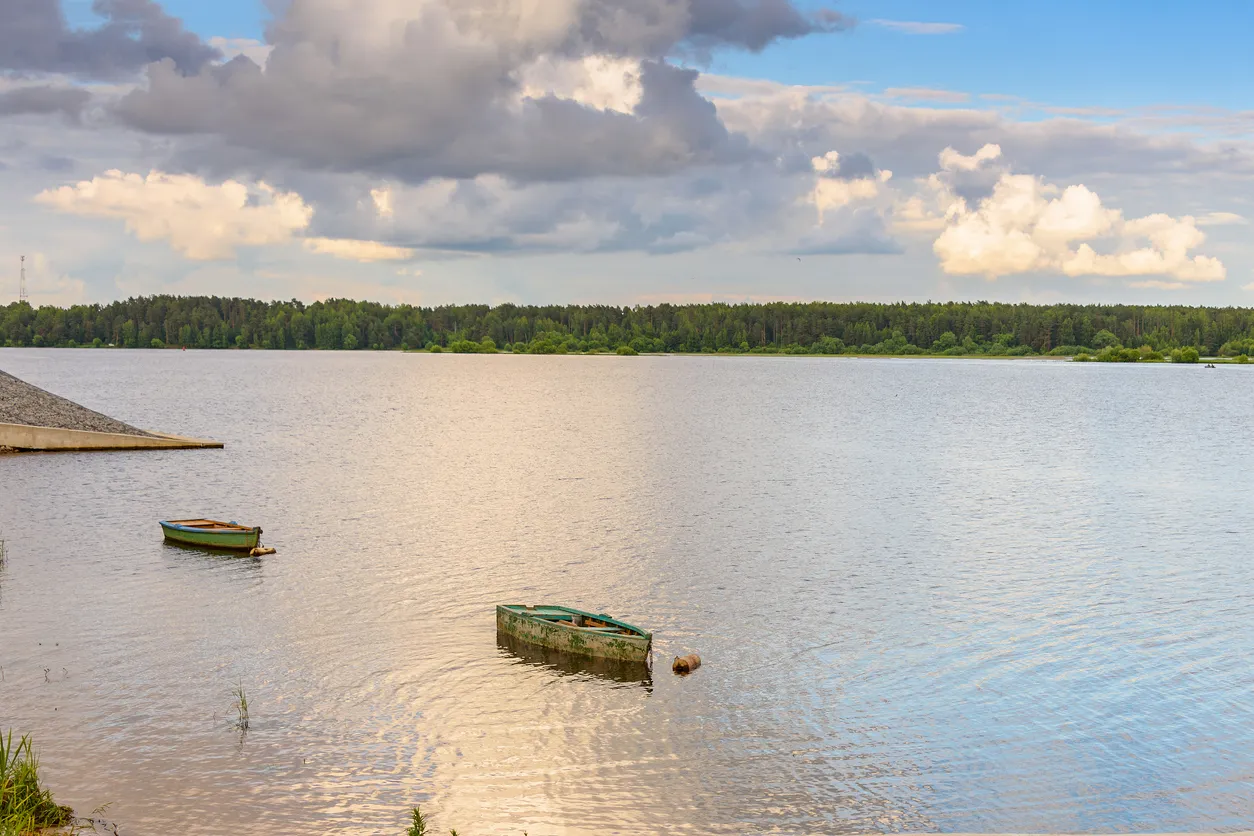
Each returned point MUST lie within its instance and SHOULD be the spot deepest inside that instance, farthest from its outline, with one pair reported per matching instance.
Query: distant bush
(1112, 354)
(1188, 354)
(1105, 339)
(1242, 358)
(435, 349)
(626, 351)
(157, 342)
(1069, 351)
(1082, 357)
(823, 345)
(1234, 348)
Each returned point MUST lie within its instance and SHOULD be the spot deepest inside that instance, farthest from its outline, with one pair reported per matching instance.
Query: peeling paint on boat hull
(573, 640)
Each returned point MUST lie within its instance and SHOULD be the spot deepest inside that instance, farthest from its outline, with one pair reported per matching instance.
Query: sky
(628, 151)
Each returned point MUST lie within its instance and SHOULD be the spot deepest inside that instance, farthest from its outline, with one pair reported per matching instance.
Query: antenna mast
(21, 286)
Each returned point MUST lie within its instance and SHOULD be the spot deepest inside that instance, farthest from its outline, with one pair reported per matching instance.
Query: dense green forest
(778, 327)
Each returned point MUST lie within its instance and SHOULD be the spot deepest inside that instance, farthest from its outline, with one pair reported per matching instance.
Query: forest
(949, 328)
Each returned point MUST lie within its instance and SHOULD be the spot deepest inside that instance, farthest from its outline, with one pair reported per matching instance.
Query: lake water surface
(931, 595)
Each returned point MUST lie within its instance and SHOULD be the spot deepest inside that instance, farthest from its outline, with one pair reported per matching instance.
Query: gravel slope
(21, 403)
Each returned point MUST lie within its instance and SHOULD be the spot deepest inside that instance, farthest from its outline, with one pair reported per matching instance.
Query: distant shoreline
(859, 356)
(952, 329)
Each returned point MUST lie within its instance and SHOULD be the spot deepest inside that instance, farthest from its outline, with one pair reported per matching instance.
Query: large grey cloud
(43, 99)
(440, 88)
(34, 37)
(752, 204)
(906, 139)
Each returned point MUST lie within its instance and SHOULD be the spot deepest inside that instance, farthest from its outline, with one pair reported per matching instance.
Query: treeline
(777, 327)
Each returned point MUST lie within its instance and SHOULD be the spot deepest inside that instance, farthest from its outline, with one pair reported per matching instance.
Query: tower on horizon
(21, 283)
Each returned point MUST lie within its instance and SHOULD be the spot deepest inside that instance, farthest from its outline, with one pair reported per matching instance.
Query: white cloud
(1222, 219)
(354, 250)
(834, 192)
(202, 221)
(1159, 285)
(927, 94)
(596, 81)
(914, 27)
(951, 160)
(255, 50)
(382, 198)
(1027, 225)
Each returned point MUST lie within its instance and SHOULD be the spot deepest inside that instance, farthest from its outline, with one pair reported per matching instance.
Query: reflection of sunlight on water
(929, 596)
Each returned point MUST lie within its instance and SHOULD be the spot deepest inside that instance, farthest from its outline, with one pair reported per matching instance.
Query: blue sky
(1075, 53)
(898, 156)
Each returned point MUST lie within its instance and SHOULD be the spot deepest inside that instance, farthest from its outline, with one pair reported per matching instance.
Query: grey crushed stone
(22, 403)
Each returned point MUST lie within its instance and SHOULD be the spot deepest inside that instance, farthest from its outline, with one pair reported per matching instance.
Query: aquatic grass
(419, 825)
(25, 806)
(241, 707)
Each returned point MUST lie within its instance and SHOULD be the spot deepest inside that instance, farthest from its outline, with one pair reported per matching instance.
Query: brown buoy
(686, 664)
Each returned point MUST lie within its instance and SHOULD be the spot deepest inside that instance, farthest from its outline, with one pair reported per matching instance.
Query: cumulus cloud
(34, 37)
(201, 221)
(1027, 225)
(951, 160)
(458, 88)
(842, 181)
(809, 120)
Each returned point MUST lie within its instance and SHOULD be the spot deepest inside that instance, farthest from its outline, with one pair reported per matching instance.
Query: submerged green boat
(212, 534)
(575, 631)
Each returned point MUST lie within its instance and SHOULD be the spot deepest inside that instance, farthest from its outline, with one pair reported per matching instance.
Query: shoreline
(607, 353)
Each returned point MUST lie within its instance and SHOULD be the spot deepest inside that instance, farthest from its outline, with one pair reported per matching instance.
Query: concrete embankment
(32, 419)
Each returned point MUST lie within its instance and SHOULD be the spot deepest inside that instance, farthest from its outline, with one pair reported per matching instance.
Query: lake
(931, 595)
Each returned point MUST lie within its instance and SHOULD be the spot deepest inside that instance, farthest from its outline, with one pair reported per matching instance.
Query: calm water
(931, 595)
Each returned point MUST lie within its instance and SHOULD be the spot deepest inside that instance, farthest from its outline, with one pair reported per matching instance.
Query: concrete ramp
(23, 437)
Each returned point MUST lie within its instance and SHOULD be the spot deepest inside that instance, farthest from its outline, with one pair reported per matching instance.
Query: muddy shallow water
(929, 595)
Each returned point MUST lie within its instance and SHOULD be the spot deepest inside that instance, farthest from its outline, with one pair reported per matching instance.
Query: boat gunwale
(217, 527)
(634, 632)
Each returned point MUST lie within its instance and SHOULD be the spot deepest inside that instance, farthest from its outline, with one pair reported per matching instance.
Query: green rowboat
(574, 631)
(212, 534)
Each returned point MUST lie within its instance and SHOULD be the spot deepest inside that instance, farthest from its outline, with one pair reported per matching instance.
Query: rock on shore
(22, 403)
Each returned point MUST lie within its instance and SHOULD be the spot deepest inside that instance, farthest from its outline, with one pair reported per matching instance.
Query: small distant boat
(212, 534)
(575, 631)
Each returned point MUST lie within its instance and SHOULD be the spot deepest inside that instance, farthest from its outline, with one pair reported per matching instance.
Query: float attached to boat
(212, 534)
(575, 631)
